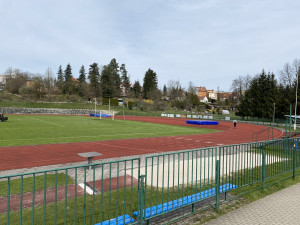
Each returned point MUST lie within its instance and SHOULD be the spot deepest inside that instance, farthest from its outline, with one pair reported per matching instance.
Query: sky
(207, 42)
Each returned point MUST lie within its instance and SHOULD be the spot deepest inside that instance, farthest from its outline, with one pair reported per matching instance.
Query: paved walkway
(279, 208)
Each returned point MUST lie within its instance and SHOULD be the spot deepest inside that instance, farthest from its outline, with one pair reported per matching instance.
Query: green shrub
(113, 101)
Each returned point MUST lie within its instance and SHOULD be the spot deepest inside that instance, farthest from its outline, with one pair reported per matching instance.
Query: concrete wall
(11, 110)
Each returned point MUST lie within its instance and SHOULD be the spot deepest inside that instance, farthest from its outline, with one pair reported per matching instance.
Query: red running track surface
(43, 155)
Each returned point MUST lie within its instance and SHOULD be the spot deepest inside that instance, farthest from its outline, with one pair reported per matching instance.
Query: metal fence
(138, 190)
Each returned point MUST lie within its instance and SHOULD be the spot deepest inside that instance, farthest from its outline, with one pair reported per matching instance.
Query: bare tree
(288, 74)
(247, 81)
(15, 79)
(192, 88)
(287, 77)
(174, 89)
(240, 85)
(49, 81)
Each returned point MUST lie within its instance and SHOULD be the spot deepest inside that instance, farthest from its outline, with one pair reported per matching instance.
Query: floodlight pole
(296, 103)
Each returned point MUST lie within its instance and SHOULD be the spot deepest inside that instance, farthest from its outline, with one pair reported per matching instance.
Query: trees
(175, 91)
(137, 89)
(125, 79)
(68, 79)
(94, 77)
(150, 83)
(60, 79)
(165, 92)
(259, 99)
(110, 80)
(113, 67)
(82, 74)
(49, 81)
(83, 86)
(106, 83)
(15, 79)
(240, 85)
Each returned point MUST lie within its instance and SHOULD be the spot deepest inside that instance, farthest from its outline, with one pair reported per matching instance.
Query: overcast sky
(208, 42)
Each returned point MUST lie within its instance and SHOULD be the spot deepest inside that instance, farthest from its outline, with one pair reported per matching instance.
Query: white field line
(87, 188)
(46, 122)
(101, 135)
(189, 171)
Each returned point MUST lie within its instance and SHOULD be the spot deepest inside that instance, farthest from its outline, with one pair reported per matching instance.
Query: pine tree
(260, 98)
(115, 77)
(150, 83)
(60, 79)
(68, 79)
(110, 80)
(125, 79)
(106, 83)
(82, 74)
(137, 89)
(165, 91)
(94, 77)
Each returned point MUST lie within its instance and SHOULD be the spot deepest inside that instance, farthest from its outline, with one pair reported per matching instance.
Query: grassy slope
(30, 130)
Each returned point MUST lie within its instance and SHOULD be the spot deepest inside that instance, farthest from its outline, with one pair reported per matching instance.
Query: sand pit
(188, 171)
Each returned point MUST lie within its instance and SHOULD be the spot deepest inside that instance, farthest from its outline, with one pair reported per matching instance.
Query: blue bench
(121, 220)
(158, 209)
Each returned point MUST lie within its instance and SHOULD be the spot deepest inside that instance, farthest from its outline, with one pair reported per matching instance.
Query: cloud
(206, 42)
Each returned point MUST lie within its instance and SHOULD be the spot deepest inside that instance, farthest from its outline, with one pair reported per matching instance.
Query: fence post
(217, 183)
(263, 169)
(141, 199)
(294, 159)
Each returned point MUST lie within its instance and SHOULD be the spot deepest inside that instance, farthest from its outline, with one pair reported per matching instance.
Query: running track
(43, 155)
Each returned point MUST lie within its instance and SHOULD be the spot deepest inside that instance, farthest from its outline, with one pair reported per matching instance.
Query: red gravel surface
(43, 155)
(60, 195)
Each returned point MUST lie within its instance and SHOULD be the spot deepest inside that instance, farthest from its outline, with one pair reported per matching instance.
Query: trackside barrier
(134, 191)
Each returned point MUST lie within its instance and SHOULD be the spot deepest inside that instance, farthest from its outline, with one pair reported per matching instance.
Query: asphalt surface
(279, 208)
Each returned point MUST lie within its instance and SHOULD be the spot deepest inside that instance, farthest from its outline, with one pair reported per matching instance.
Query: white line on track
(46, 122)
(101, 135)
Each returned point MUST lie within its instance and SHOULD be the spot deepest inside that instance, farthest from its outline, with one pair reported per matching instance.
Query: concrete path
(279, 208)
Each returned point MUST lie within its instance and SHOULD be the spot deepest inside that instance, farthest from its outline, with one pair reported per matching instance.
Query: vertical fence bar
(141, 203)
(263, 169)
(45, 198)
(294, 159)
(66, 196)
(21, 200)
(75, 200)
(217, 183)
(8, 201)
(55, 198)
(33, 197)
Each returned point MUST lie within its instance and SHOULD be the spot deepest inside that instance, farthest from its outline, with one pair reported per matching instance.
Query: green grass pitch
(22, 130)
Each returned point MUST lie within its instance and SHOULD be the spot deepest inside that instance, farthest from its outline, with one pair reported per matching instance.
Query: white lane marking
(46, 122)
(87, 188)
(30, 139)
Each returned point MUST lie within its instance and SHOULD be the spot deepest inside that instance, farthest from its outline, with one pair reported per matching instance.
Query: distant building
(222, 96)
(28, 83)
(211, 94)
(201, 92)
(203, 99)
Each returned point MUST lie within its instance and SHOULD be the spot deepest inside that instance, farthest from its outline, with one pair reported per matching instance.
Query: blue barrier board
(158, 209)
(202, 122)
